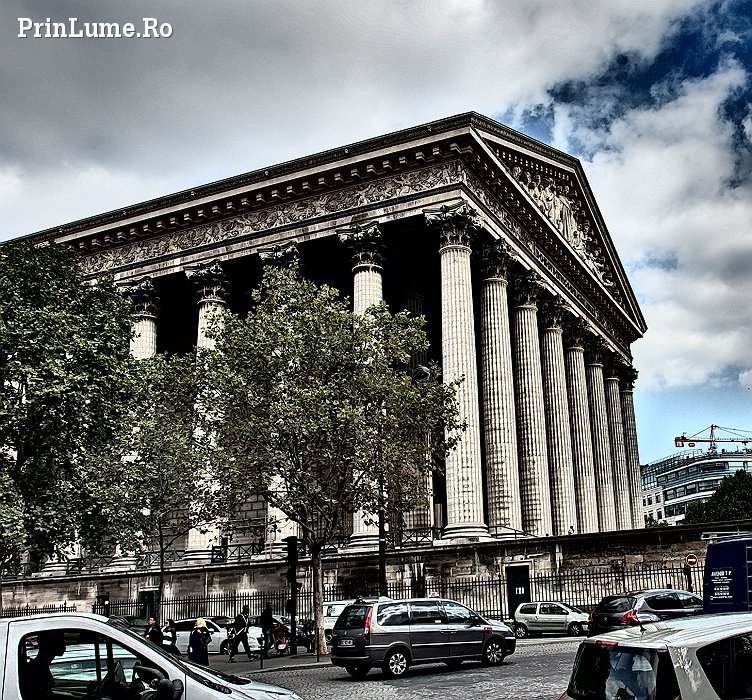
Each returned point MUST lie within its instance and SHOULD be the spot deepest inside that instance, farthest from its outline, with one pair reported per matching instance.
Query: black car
(629, 609)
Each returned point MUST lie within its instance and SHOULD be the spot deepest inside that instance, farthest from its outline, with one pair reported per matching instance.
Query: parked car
(627, 609)
(395, 634)
(548, 616)
(220, 637)
(700, 658)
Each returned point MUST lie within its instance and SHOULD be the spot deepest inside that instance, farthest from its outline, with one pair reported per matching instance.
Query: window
(393, 614)
(728, 666)
(657, 498)
(552, 609)
(650, 500)
(425, 612)
(528, 609)
(458, 614)
(658, 515)
(353, 617)
(185, 625)
(663, 601)
(691, 488)
(81, 664)
(689, 601)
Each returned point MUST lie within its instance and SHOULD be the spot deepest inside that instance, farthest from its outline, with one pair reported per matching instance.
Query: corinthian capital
(280, 255)
(496, 259)
(528, 289)
(209, 282)
(143, 297)
(456, 223)
(576, 333)
(554, 311)
(364, 242)
(628, 377)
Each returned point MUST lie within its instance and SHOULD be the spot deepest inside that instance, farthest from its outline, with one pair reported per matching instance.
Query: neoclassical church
(493, 237)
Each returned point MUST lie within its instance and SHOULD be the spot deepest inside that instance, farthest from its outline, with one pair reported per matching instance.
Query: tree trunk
(318, 596)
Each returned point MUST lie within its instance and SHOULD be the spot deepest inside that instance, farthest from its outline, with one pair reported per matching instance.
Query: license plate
(345, 642)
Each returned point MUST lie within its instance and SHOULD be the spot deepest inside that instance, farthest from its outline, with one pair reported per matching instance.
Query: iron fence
(28, 610)
(582, 588)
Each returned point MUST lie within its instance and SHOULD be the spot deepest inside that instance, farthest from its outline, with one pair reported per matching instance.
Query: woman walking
(198, 643)
(170, 638)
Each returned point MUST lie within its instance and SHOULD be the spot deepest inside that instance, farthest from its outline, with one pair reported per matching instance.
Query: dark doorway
(518, 586)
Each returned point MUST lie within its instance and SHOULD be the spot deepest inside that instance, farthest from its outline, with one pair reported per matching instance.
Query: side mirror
(169, 690)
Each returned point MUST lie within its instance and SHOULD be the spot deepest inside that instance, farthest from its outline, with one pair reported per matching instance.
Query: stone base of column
(468, 532)
(364, 540)
(195, 557)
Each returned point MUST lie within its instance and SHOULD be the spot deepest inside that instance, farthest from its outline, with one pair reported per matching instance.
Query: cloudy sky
(654, 96)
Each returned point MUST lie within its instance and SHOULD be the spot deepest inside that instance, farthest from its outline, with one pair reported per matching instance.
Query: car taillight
(563, 696)
(630, 618)
(367, 626)
(590, 618)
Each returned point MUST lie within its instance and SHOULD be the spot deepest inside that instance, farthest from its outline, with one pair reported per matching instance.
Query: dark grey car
(628, 609)
(395, 634)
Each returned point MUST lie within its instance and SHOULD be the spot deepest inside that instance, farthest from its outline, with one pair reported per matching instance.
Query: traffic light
(292, 559)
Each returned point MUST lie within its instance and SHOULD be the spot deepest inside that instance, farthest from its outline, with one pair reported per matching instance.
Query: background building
(495, 238)
(670, 484)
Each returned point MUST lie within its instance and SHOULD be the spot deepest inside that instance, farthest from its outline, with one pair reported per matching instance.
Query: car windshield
(352, 617)
(615, 604)
(611, 672)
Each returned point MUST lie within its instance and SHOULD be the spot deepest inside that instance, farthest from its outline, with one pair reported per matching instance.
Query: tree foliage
(315, 407)
(732, 500)
(162, 484)
(64, 377)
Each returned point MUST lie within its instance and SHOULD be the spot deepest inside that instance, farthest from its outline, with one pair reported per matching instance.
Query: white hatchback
(693, 658)
(220, 638)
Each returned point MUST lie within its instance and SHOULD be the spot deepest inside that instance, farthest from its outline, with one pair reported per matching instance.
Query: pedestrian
(267, 628)
(153, 633)
(198, 643)
(169, 641)
(242, 620)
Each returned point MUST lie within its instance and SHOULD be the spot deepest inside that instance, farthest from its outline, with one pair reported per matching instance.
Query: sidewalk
(243, 667)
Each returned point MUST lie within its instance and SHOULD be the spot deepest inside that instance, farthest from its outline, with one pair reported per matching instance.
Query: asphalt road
(539, 670)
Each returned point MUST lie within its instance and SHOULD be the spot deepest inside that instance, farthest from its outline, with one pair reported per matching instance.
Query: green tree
(732, 500)
(64, 377)
(162, 484)
(315, 408)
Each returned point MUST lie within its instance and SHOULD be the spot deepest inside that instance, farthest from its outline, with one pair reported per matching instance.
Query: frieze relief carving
(398, 185)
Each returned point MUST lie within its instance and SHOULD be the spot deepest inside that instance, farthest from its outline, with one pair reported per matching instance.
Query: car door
(182, 634)
(466, 634)
(552, 618)
(429, 634)
(690, 604)
(664, 605)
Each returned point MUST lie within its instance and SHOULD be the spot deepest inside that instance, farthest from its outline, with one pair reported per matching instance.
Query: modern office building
(494, 237)
(670, 484)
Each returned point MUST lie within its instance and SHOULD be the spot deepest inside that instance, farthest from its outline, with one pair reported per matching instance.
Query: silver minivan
(395, 634)
(549, 616)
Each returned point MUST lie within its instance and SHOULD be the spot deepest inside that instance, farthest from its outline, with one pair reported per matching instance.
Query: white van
(87, 656)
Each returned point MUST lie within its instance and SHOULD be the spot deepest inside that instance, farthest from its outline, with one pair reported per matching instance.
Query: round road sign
(691, 560)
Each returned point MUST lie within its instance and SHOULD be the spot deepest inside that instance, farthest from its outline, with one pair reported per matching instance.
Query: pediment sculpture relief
(560, 204)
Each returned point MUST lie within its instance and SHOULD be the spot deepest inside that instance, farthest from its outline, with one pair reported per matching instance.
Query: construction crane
(712, 438)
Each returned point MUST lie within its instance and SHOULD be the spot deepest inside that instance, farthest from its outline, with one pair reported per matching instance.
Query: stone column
(500, 428)
(558, 427)
(144, 300)
(456, 225)
(604, 480)
(582, 439)
(365, 244)
(629, 376)
(421, 517)
(210, 284)
(531, 415)
(279, 525)
(622, 500)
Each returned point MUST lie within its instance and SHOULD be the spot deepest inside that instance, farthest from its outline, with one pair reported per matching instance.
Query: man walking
(241, 634)
(267, 628)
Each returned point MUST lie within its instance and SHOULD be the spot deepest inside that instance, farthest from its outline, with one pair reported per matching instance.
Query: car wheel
(328, 636)
(493, 653)
(520, 631)
(357, 671)
(575, 629)
(224, 648)
(395, 663)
